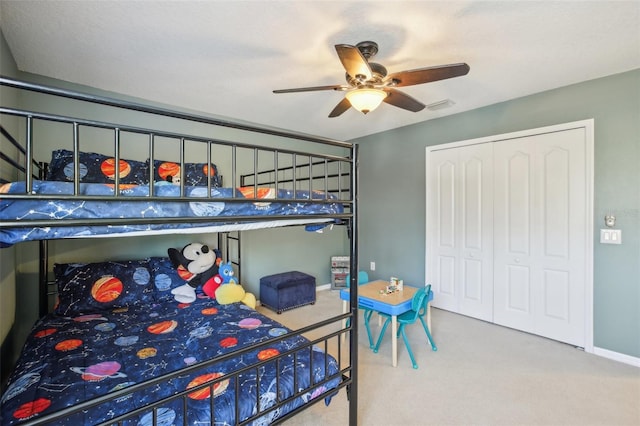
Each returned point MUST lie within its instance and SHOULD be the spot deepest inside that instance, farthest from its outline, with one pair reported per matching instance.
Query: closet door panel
(459, 229)
(554, 299)
(513, 168)
(517, 178)
(472, 284)
(446, 276)
(518, 289)
(515, 308)
(476, 230)
(539, 234)
(447, 205)
(556, 201)
(442, 248)
(556, 293)
(560, 308)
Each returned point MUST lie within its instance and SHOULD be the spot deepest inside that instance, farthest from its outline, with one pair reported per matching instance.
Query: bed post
(224, 244)
(353, 336)
(43, 267)
(43, 262)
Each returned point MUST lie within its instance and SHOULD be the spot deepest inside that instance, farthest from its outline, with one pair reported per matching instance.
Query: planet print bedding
(196, 203)
(70, 359)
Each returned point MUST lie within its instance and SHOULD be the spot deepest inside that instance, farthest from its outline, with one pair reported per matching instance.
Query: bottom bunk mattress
(70, 359)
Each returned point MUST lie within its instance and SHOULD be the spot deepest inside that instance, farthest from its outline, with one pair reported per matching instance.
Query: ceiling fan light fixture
(369, 84)
(366, 100)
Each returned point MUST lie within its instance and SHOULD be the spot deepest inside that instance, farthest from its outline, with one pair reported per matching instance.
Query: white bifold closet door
(506, 239)
(460, 215)
(539, 239)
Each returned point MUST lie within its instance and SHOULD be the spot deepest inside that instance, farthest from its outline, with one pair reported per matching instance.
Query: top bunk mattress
(96, 203)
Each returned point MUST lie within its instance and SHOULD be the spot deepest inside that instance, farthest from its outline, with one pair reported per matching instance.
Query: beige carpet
(482, 374)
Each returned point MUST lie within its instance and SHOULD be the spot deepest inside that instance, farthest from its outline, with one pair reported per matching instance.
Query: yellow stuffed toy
(230, 291)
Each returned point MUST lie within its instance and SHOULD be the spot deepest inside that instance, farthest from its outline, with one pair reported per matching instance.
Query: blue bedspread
(275, 203)
(70, 359)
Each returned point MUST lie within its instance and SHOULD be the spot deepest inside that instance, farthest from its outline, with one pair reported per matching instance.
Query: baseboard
(616, 356)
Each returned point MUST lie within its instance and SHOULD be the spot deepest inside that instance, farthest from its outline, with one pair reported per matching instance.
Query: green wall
(392, 202)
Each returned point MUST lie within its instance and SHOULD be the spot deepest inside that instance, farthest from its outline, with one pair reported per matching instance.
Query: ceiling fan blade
(354, 62)
(340, 108)
(427, 75)
(312, 89)
(402, 100)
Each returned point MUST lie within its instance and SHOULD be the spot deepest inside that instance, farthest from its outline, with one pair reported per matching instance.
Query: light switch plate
(611, 236)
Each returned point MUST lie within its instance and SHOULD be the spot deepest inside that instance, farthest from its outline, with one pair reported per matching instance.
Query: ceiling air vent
(441, 105)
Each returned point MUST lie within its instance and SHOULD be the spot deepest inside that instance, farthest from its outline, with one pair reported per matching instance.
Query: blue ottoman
(287, 290)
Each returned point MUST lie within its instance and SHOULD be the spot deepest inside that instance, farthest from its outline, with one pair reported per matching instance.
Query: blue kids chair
(419, 305)
(363, 278)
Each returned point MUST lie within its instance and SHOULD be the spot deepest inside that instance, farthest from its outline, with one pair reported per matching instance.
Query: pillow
(195, 174)
(91, 287)
(96, 168)
(165, 278)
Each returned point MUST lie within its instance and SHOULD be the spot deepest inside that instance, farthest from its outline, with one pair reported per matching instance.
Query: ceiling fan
(368, 83)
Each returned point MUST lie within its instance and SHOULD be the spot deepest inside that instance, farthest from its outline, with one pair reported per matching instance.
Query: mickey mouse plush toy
(197, 264)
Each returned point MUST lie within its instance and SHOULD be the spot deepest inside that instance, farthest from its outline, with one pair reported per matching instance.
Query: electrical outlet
(372, 266)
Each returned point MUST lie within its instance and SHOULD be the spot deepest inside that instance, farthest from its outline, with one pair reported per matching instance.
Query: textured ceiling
(226, 57)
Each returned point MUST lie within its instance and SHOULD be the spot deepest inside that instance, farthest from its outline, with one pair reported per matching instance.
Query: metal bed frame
(23, 160)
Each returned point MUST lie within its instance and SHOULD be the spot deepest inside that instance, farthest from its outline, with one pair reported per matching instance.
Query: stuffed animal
(198, 265)
(225, 270)
(230, 291)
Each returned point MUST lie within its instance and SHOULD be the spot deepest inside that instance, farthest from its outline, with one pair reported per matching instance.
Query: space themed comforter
(21, 209)
(71, 359)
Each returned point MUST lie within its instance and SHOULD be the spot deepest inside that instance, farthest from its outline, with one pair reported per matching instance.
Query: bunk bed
(136, 356)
